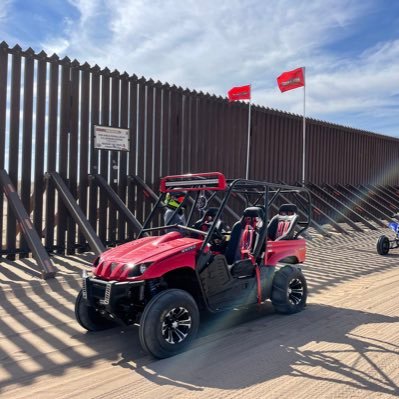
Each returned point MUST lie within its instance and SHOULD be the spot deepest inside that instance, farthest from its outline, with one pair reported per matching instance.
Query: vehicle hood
(149, 249)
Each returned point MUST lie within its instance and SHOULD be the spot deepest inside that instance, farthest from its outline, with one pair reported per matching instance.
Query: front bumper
(107, 295)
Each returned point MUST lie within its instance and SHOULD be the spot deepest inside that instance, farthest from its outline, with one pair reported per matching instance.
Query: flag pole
(304, 133)
(248, 140)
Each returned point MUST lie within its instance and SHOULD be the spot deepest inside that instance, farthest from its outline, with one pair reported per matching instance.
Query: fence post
(30, 234)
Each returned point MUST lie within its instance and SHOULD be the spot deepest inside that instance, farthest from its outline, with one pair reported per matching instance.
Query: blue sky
(350, 48)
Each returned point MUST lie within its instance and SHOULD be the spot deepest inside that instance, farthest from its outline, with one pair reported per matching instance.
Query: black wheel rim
(295, 291)
(385, 245)
(176, 325)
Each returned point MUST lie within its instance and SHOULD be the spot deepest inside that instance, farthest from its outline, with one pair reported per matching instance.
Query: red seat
(281, 226)
(248, 237)
(244, 235)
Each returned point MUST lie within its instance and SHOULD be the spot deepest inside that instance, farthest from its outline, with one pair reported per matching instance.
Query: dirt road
(344, 345)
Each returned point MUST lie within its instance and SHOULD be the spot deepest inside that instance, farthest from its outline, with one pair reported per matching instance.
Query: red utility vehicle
(163, 279)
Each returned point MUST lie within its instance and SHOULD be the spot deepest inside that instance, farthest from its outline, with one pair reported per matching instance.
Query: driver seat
(244, 235)
(250, 235)
(281, 226)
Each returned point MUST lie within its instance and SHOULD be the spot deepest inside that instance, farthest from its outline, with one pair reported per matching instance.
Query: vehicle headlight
(143, 267)
(137, 270)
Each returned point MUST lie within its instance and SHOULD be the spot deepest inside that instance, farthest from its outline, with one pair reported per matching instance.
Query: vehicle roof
(216, 181)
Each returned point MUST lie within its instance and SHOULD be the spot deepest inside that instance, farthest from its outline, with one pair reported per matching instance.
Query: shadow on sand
(275, 346)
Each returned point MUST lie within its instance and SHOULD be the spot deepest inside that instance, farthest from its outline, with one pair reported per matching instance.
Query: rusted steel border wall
(48, 109)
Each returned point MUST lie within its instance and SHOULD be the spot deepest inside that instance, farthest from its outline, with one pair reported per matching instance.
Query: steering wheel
(217, 234)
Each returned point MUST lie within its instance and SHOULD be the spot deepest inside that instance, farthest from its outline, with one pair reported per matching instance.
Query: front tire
(89, 318)
(383, 245)
(289, 291)
(169, 323)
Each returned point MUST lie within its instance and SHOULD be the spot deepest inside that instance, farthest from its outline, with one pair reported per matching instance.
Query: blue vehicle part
(394, 226)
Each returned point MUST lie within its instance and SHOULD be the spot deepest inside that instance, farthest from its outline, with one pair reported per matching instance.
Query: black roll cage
(267, 193)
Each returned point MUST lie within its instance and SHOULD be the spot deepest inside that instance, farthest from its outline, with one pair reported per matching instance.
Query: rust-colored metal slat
(350, 205)
(30, 234)
(3, 107)
(13, 159)
(313, 188)
(358, 202)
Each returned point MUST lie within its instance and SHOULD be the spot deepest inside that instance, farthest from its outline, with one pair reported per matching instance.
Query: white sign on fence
(111, 138)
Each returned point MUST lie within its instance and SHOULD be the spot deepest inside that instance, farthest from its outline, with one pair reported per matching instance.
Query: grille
(107, 295)
(98, 290)
(84, 289)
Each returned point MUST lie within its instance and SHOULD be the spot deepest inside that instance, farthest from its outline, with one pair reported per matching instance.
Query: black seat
(243, 235)
(206, 220)
(281, 226)
(232, 248)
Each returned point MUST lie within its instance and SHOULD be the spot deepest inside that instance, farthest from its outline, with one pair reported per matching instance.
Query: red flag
(239, 93)
(291, 79)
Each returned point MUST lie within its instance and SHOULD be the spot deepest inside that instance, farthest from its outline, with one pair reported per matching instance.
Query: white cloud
(4, 9)
(202, 44)
(367, 86)
(212, 46)
(87, 8)
(58, 45)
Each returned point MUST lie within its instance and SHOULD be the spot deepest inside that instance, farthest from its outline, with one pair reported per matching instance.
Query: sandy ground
(344, 345)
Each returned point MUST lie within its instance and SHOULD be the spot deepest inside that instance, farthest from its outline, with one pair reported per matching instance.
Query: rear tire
(289, 291)
(89, 318)
(383, 245)
(169, 323)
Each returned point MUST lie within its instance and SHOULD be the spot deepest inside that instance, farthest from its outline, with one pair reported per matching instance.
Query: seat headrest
(287, 209)
(253, 211)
